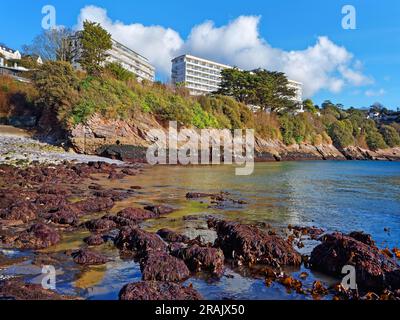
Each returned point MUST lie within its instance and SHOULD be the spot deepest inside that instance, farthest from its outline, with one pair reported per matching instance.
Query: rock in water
(172, 236)
(89, 258)
(155, 290)
(38, 236)
(159, 210)
(161, 266)
(251, 245)
(374, 271)
(202, 259)
(140, 242)
(15, 289)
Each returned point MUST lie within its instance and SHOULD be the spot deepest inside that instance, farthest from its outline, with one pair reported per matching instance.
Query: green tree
(269, 90)
(309, 106)
(56, 84)
(341, 133)
(95, 42)
(390, 135)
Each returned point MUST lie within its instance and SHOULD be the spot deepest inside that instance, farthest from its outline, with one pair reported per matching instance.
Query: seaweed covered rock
(88, 258)
(172, 236)
(251, 245)
(38, 236)
(202, 259)
(16, 289)
(100, 225)
(161, 266)
(374, 270)
(160, 209)
(137, 214)
(140, 242)
(94, 240)
(156, 290)
(96, 204)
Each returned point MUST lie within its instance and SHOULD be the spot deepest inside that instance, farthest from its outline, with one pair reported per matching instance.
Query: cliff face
(128, 140)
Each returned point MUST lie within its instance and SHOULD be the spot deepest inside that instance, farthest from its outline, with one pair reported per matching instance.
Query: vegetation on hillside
(73, 97)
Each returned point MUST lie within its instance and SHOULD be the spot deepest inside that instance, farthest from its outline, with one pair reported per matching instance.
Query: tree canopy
(51, 45)
(95, 42)
(266, 89)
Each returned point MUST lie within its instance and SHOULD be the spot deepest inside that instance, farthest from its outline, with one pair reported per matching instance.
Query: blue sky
(272, 32)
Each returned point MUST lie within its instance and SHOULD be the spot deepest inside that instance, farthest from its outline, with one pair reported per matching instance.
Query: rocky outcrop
(89, 258)
(251, 245)
(374, 270)
(128, 140)
(139, 242)
(38, 236)
(202, 259)
(155, 290)
(161, 266)
(16, 289)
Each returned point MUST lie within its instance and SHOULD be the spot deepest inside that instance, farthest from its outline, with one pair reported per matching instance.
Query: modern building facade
(298, 88)
(129, 59)
(203, 76)
(199, 75)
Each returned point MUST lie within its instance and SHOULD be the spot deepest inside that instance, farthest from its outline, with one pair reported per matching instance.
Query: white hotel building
(129, 59)
(203, 76)
(199, 75)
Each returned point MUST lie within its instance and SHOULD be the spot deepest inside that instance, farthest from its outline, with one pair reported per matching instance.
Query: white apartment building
(199, 75)
(129, 59)
(203, 76)
(298, 88)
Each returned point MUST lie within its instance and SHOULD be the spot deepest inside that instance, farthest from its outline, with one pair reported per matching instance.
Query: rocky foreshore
(42, 204)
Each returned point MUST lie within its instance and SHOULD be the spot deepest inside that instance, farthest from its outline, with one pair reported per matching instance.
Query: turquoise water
(344, 196)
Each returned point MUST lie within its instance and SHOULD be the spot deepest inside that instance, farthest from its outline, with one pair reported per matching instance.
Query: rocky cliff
(128, 140)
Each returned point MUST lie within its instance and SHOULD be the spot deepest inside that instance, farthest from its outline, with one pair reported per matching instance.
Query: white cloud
(375, 93)
(324, 65)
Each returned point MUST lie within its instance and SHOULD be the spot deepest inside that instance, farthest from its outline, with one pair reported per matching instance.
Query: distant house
(9, 60)
(9, 54)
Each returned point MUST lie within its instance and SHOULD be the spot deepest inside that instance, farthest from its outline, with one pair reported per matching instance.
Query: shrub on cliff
(390, 135)
(372, 136)
(56, 83)
(341, 133)
(16, 98)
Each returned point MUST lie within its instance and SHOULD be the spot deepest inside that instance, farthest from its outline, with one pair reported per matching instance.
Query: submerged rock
(86, 257)
(161, 266)
(202, 259)
(156, 290)
(374, 270)
(250, 245)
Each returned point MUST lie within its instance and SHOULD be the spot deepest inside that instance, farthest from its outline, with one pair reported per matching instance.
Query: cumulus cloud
(323, 65)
